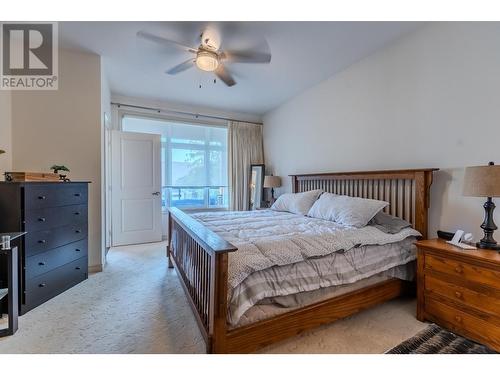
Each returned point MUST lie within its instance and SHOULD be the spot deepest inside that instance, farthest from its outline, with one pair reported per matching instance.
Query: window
(193, 160)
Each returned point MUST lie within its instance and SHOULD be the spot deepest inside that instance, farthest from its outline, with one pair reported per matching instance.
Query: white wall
(5, 131)
(431, 99)
(64, 127)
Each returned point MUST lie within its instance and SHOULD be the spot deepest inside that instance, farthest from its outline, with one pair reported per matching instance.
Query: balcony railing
(186, 197)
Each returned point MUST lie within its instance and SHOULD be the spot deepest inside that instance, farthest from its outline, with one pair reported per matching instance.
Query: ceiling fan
(208, 56)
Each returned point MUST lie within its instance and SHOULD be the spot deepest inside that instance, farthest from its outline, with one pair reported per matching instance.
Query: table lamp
(272, 182)
(484, 181)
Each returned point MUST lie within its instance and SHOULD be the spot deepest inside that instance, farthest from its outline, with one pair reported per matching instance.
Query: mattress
(271, 307)
(281, 254)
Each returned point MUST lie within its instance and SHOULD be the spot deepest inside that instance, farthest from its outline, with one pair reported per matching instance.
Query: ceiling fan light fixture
(207, 61)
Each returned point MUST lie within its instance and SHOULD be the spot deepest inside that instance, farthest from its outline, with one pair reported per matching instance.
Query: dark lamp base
(487, 246)
(489, 227)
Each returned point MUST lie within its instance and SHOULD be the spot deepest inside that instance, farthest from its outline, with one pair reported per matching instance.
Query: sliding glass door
(193, 160)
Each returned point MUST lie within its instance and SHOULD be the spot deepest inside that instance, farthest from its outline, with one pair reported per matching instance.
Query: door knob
(156, 193)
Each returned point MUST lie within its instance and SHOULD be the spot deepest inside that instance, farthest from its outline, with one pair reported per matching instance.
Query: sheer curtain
(245, 147)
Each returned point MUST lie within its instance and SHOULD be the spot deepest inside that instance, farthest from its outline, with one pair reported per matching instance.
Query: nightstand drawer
(463, 270)
(464, 323)
(487, 300)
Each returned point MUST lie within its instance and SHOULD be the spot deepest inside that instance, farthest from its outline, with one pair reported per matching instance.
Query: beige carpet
(138, 306)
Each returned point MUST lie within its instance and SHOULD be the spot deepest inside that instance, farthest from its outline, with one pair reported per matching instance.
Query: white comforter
(268, 238)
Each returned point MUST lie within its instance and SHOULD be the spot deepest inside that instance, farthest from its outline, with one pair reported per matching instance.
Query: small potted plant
(57, 168)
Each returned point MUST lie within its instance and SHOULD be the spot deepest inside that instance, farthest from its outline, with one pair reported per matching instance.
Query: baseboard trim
(96, 268)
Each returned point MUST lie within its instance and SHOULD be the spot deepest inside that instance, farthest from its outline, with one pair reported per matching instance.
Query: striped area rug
(436, 340)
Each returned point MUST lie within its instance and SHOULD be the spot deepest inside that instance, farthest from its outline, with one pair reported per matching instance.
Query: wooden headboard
(407, 191)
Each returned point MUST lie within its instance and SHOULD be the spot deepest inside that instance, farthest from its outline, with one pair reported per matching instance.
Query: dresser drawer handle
(458, 294)
(41, 285)
(41, 241)
(78, 268)
(41, 219)
(459, 269)
(77, 250)
(458, 318)
(78, 231)
(41, 197)
(77, 213)
(41, 263)
(77, 194)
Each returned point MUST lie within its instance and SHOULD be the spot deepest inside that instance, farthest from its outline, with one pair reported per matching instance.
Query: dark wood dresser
(53, 253)
(460, 290)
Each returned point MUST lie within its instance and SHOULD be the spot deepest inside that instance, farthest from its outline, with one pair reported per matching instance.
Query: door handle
(156, 193)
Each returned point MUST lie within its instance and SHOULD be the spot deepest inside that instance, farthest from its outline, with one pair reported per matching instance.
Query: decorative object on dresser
(484, 181)
(56, 168)
(31, 176)
(272, 182)
(201, 258)
(9, 267)
(53, 254)
(460, 290)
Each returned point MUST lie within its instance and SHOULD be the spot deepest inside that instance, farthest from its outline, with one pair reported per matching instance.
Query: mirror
(256, 185)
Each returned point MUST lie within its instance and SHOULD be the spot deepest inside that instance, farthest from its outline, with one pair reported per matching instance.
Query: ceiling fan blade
(249, 57)
(224, 76)
(181, 67)
(167, 42)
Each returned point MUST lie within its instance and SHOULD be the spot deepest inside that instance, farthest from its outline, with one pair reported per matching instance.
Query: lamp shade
(482, 181)
(272, 181)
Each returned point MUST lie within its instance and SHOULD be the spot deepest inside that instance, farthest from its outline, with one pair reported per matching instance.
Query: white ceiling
(303, 54)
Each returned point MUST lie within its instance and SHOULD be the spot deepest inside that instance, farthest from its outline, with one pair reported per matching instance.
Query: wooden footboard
(200, 257)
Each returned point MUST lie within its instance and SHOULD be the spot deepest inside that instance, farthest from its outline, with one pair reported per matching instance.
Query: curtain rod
(196, 115)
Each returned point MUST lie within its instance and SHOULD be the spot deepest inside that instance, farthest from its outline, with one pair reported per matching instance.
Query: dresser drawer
(49, 260)
(54, 195)
(463, 270)
(53, 217)
(464, 323)
(50, 284)
(487, 301)
(41, 241)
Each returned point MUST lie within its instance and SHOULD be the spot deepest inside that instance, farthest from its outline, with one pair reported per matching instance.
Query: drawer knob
(77, 194)
(458, 294)
(41, 197)
(41, 241)
(459, 269)
(458, 318)
(41, 285)
(41, 263)
(77, 250)
(78, 231)
(77, 213)
(78, 268)
(41, 219)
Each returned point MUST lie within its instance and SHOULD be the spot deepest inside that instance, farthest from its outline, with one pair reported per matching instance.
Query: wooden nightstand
(460, 290)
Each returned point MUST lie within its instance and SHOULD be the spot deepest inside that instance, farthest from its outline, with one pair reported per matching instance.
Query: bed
(204, 250)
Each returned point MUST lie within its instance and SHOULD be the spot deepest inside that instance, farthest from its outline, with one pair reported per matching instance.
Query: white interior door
(135, 188)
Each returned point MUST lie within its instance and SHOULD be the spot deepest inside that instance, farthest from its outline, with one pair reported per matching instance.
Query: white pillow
(296, 203)
(345, 210)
